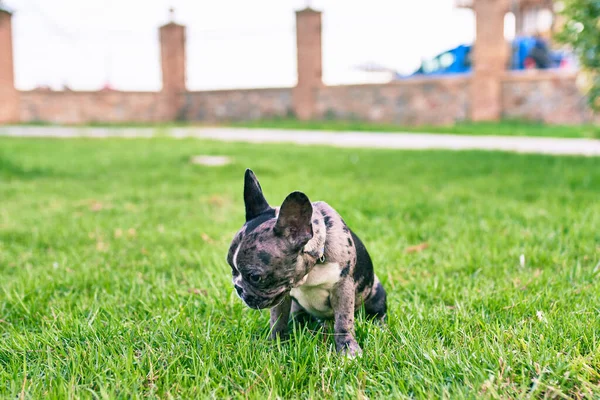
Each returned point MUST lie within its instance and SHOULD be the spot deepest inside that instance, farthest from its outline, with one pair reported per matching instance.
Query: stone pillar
(310, 73)
(9, 96)
(519, 19)
(490, 60)
(173, 61)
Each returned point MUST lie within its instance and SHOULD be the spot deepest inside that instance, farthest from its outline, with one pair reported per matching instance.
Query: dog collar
(321, 259)
(317, 255)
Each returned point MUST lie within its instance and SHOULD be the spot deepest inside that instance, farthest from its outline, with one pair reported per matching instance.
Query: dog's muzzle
(260, 303)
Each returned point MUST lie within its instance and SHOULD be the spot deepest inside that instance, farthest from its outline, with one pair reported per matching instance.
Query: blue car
(453, 61)
(527, 52)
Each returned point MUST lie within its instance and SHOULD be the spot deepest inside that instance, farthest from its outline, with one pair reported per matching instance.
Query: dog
(301, 259)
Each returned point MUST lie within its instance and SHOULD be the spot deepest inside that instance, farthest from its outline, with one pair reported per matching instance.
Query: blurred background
(429, 62)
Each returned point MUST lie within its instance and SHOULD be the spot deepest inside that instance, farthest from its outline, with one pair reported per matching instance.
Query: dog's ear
(294, 221)
(254, 199)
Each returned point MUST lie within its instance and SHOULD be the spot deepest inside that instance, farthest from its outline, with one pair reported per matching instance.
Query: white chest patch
(313, 293)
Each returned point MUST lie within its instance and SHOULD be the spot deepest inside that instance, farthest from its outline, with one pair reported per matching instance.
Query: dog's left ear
(294, 221)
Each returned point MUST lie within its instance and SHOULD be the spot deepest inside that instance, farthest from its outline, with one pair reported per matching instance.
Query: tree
(582, 32)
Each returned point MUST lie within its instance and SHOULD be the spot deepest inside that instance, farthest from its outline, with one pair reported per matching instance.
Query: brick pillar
(519, 19)
(9, 96)
(490, 60)
(310, 75)
(172, 51)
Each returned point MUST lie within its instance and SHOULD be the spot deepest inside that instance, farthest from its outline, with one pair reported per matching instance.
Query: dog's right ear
(254, 199)
(293, 221)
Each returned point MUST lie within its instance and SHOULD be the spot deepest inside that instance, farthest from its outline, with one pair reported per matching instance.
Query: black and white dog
(301, 258)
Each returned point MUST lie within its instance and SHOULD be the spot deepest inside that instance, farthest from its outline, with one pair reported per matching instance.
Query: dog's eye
(254, 278)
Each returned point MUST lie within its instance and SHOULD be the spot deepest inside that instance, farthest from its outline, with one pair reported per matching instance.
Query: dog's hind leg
(376, 303)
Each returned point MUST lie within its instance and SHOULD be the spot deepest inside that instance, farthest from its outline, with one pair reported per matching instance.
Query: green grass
(505, 128)
(114, 282)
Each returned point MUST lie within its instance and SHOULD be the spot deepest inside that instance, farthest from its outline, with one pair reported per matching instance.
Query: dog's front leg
(280, 315)
(342, 301)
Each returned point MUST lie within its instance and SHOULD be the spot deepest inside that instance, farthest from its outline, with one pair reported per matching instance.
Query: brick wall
(550, 96)
(546, 96)
(237, 105)
(487, 94)
(84, 107)
(429, 101)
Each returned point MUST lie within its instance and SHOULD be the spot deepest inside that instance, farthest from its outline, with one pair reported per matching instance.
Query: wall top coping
(86, 92)
(215, 91)
(538, 75)
(416, 81)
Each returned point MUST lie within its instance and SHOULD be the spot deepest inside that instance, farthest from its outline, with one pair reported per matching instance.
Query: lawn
(114, 282)
(505, 128)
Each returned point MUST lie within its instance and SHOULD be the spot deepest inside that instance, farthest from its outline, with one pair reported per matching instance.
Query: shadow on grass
(9, 169)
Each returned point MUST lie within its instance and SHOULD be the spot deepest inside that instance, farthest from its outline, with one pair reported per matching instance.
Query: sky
(230, 43)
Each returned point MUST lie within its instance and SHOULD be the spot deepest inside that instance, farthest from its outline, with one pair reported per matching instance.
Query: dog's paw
(349, 348)
(381, 321)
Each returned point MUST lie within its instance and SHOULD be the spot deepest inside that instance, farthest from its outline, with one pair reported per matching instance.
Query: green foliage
(114, 285)
(582, 32)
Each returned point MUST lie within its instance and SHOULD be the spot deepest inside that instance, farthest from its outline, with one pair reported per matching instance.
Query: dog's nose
(239, 290)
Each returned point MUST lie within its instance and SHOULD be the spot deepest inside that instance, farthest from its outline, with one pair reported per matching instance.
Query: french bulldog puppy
(302, 259)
